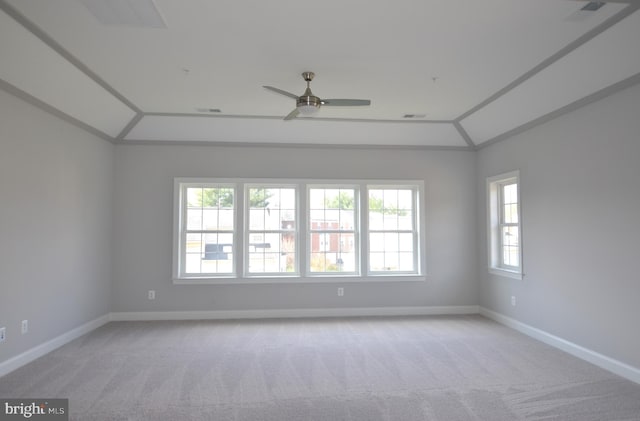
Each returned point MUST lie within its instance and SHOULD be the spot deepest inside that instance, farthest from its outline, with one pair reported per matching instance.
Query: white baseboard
(617, 367)
(38, 351)
(292, 313)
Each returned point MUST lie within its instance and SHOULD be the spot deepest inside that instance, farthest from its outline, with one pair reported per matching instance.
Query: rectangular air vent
(593, 6)
(136, 13)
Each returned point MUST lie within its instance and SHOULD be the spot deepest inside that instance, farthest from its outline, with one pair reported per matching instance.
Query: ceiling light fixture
(308, 103)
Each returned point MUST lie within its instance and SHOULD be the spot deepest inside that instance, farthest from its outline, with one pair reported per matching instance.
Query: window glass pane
(194, 218)
(510, 246)
(256, 219)
(390, 241)
(347, 219)
(194, 197)
(376, 242)
(331, 209)
(209, 253)
(318, 262)
(194, 243)
(405, 200)
(391, 262)
(332, 252)
(272, 219)
(376, 261)
(405, 261)
(225, 219)
(272, 252)
(510, 193)
(272, 209)
(210, 219)
(405, 242)
(376, 207)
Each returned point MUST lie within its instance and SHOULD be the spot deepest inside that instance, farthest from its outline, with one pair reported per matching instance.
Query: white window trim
(356, 229)
(493, 225)
(246, 232)
(179, 229)
(418, 262)
(303, 275)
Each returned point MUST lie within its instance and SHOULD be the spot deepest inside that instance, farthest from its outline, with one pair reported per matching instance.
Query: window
(505, 250)
(232, 230)
(333, 240)
(272, 235)
(393, 236)
(207, 246)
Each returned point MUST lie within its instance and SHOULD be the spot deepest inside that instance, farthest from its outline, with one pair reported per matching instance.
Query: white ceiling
(476, 70)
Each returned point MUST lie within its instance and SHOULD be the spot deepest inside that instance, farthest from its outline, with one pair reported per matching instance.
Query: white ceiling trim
(194, 128)
(43, 73)
(37, 68)
(605, 60)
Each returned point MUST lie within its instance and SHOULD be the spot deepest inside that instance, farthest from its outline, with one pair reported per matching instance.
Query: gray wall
(580, 181)
(144, 209)
(56, 195)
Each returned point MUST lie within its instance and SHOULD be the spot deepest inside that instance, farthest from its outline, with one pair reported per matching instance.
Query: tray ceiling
(469, 72)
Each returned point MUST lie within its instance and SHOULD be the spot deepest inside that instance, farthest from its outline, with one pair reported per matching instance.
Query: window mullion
(304, 236)
(364, 229)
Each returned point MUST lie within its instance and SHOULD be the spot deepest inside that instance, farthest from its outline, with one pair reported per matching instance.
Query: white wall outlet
(513, 300)
(152, 294)
(340, 292)
(25, 326)
(3, 334)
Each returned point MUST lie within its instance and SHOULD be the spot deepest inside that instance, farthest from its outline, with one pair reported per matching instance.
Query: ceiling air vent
(414, 116)
(208, 110)
(134, 13)
(593, 6)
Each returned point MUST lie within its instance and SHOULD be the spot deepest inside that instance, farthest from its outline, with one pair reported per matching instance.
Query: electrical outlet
(513, 300)
(152, 294)
(25, 326)
(340, 292)
(3, 334)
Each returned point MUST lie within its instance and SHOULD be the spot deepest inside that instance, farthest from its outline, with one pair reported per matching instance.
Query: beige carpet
(357, 369)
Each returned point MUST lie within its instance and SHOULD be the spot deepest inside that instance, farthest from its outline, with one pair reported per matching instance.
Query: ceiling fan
(308, 103)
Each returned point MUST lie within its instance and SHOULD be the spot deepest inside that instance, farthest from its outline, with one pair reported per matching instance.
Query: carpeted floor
(358, 369)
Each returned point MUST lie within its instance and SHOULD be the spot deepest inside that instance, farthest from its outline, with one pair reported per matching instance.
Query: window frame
(416, 194)
(248, 231)
(495, 224)
(181, 230)
(302, 250)
(356, 229)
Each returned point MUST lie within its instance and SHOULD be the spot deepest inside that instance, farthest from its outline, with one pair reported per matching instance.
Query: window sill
(506, 273)
(298, 280)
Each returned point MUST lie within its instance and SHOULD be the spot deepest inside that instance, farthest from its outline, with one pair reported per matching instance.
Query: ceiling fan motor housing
(308, 103)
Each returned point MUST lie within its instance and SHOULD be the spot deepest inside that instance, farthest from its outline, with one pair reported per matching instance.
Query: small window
(505, 239)
(333, 235)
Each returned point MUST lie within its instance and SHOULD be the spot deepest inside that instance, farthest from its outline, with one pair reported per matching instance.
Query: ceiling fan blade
(293, 114)
(345, 102)
(280, 91)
